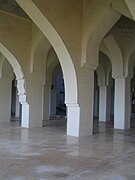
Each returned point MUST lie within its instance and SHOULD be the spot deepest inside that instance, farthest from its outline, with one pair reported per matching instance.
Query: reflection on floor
(102, 126)
(132, 121)
(48, 154)
(57, 120)
(15, 119)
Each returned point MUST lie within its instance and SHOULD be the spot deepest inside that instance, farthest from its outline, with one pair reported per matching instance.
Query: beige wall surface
(76, 30)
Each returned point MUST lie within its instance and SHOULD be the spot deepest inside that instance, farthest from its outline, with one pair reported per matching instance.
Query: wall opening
(20, 81)
(16, 107)
(132, 121)
(103, 111)
(58, 107)
(54, 108)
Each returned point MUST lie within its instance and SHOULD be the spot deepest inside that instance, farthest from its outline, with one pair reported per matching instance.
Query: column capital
(118, 77)
(39, 77)
(102, 84)
(73, 119)
(122, 77)
(37, 74)
(72, 104)
(92, 67)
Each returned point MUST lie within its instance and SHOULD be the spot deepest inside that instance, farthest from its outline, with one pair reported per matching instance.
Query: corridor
(48, 154)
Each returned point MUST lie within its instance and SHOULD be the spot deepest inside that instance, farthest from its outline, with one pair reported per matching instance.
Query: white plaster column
(17, 107)
(108, 110)
(47, 96)
(104, 102)
(25, 111)
(73, 120)
(122, 103)
(5, 99)
(80, 116)
(25, 121)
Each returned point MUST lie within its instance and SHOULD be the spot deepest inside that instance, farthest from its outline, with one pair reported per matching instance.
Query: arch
(56, 69)
(125, 7)
(20, 83)
(104, 68)
(54, 89)
(101, 75)
(51, 63)
(51, 57)
(16, 68)
(131, 64)
(104, 49)
(105, 62)
(71, 94)
(39, 56)
(95, 37)
(116, 56)
(7, 70)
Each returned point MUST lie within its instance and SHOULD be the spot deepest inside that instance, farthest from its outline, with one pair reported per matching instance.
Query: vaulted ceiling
(12, 7)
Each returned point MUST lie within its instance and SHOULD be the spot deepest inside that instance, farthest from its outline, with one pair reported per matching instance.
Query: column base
(25, 116)
(73, 120)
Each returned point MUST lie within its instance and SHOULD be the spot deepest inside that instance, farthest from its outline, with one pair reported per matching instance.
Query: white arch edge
(65, 60)
(114, 49)
(20, 84)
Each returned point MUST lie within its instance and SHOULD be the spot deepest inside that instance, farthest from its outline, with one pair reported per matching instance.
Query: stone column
(5, 99)
(108, 109)
(104, 102)
(80, 116)
(25, 121)
(122, 103)
(34, 99)
(17, 107)
(47, 99)
(73, 120)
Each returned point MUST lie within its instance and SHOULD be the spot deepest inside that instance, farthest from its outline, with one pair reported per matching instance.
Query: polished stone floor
(48, 154)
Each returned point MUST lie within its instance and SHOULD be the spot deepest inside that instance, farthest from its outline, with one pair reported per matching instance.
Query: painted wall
(76, 31)
(5, 91)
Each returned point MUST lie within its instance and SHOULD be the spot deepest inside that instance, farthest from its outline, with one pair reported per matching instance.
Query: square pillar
(80, 116)
(35, 101)
(25, 116)
(5, 99)
(122, 104)
(104, 103)
(73, 120)
(86, 101)
(17, 107)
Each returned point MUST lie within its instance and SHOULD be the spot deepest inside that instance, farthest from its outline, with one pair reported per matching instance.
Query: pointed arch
(116, 56)
(101, 75)
(131, 63)
(95, 37)
(71, 95)
(39, 56)
(16, 68)
(20, 83)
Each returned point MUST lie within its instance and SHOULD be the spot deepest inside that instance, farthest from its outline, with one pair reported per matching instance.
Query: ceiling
(12, 7)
